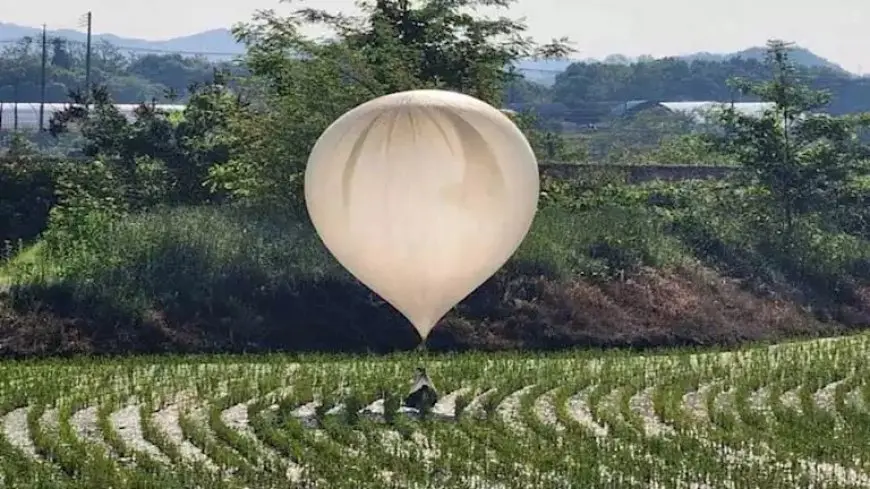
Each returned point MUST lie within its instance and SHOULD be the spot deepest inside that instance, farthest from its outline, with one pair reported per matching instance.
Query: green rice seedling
(783, 416)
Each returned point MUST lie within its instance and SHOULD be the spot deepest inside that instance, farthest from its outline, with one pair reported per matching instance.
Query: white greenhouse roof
(28, 113)
(699, 109)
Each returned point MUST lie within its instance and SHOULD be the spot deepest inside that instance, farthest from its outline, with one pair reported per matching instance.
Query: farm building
(696, 110)
(24, 116)
(552, 110)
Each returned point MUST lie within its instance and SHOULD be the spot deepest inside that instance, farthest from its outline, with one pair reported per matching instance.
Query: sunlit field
(788, 416)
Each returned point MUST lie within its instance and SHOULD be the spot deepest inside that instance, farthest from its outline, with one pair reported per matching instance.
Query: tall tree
(804, 161)
(393, 45)
(60, 55)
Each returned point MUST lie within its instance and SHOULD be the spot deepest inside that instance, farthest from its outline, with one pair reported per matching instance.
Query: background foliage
(186, 231)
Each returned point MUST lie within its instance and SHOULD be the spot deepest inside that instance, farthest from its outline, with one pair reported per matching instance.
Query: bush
(229, 279)
(599, 242)
(27, 193)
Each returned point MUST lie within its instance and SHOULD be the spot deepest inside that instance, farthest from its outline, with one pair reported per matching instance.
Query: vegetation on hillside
(187, 232)
(588, 90)
(578, 106)
(130, 79)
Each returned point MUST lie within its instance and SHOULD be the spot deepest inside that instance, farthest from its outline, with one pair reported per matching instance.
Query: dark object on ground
(423, 395)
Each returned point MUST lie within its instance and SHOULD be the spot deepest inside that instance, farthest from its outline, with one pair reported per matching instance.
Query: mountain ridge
(214, 41)
(220, 43)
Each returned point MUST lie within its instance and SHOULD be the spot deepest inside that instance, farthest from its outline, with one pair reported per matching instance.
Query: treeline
(130, 78)
(584, 93)
(188, 231)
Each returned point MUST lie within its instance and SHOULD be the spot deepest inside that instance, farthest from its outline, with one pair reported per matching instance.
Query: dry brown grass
(686, 306)
(651, 308)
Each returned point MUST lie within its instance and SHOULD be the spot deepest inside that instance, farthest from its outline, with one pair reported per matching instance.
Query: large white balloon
(422, 195)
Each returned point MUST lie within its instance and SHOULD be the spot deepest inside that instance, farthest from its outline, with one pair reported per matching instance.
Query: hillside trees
(129, 78)
(793, 222)
(27, 192)
(159, 159)
(591, 90)
(224, 278)
(807, 163)
(394, 45)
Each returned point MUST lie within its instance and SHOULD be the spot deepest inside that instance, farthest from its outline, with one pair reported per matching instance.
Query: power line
(138, 49)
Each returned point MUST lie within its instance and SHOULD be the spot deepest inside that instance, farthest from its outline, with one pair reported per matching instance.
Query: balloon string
(422, 352)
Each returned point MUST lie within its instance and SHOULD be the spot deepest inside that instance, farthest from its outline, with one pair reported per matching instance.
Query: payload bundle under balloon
(422, 195)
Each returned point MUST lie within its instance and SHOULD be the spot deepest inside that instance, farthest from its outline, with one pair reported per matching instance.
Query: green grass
(615, 228)
(595, 242)
(533, 434)
(202, 253)
(224, 278)
(23, 263)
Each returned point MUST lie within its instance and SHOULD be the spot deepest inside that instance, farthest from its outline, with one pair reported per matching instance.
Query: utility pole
(15, 106)
(88, 58)
(42, 79)
(25, 50)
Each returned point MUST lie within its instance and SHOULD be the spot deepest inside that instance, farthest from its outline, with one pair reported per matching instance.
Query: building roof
(699, 110)
(632, 106)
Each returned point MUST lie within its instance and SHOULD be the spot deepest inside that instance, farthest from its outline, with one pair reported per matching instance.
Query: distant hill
(222, 45)
(545, 71)
(799, 55)
(219, 41)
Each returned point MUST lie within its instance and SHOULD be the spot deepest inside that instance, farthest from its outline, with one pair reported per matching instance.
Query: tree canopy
(395, 45)
(135, 253)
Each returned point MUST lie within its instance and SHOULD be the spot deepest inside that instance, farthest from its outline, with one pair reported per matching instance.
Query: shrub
(27, 193)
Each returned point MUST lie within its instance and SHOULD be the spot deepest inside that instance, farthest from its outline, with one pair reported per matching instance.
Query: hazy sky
(836, 29)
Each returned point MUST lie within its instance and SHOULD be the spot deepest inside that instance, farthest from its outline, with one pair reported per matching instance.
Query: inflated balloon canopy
(422, 195)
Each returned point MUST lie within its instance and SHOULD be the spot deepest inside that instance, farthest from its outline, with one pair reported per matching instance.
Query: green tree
(129, 79)
(19, 68)
(157, 158)
(393, 46)
(804, 160)
(592, 89)
(27, 190)
(548, 144)
(60, 55)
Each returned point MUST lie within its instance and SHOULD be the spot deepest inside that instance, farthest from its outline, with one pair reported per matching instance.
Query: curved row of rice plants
(790, 416)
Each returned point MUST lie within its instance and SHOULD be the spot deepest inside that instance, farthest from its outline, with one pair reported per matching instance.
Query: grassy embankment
(652, 265)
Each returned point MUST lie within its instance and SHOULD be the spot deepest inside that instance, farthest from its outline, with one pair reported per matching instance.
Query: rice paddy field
(795, 415)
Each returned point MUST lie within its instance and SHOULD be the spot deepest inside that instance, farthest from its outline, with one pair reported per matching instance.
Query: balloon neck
(423, 326)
